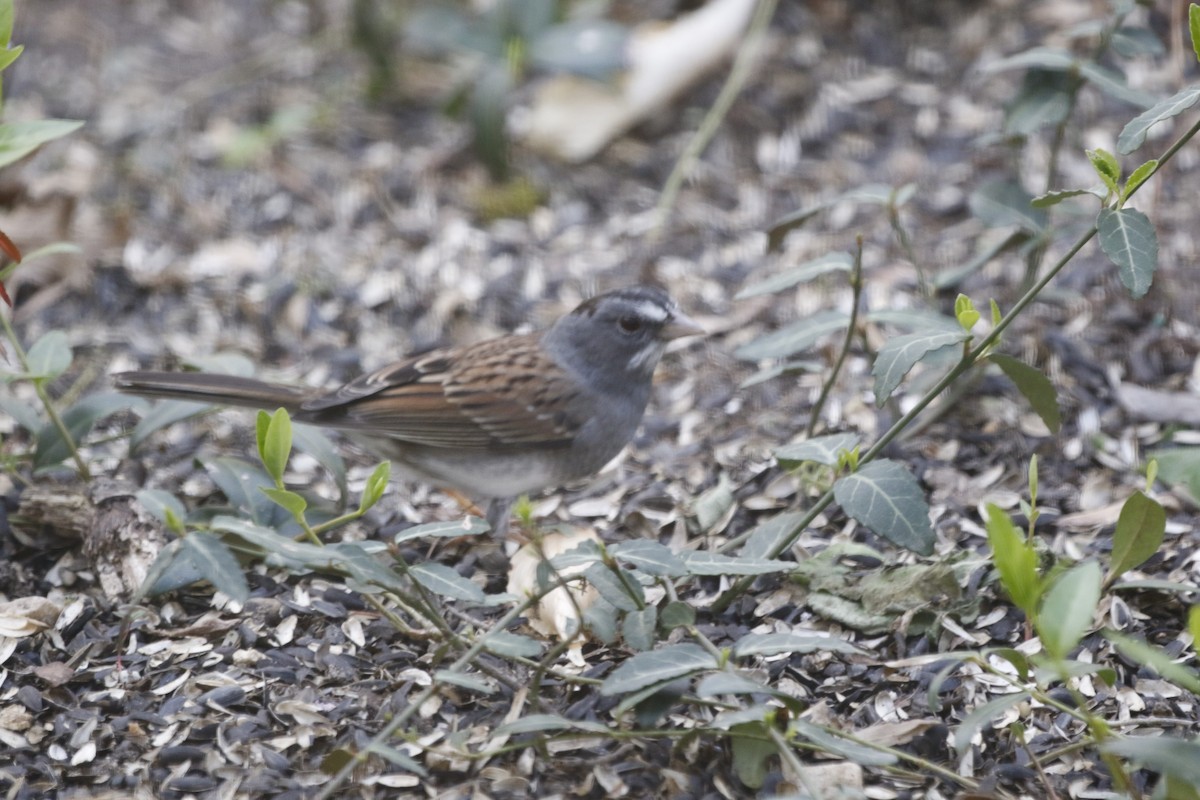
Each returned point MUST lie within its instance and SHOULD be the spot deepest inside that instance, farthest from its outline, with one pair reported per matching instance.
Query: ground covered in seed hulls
(233, 192)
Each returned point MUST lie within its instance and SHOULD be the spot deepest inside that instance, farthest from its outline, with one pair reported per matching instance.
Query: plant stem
(969, 360)
(414, 705)
(44, 398)
(738, 75)
(856, 285)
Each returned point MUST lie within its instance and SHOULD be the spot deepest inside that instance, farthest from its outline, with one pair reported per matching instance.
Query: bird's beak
(681, 325)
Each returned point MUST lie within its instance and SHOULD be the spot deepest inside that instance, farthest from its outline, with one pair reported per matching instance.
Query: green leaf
(512, 645)
(616, 585)
(241, 481)
(546, 723)
(376, 485)
(703, 562)
(713, 506)
(24, 414)
(1140, 530)
(587, 551)
(467, 526)
(7, 15)
(1194, 28)
(914, 319)
(751, 746)
(1180, 468)
(729, 683)
(1113, 84)
(861, 754)
(173, 569)
(338, 759)
(830, 262)
(159, 502)
(1035, 386)
(364, 572)
(1172, 788)
(1157, 660)
(819, 450)
(1127, 237)
(601, 619)
(965, 313)
(50, 356)
(1068, 609)
(217, 564)
(999, 204)
(900, 354)
(317, 444)
(7, 57)
(444, 581)
(162, 414)
(1107, 167)
(352, 559)
(1054, 198)
(769, 535)
(473, 683)
(1138, 177)
(1133, 135)
(658, 666)
(1173, 757)
(19, 139)
(638, 628)
(780, 228)
(983, 714)
(1033, 481)
(780, 369)
(79, 420)
(1131, 42)
(1046, 674)
(885, 497)
(650, 557)
(1039, 57)
(1016, 560)
(770, 644)
(1044, 99)
(195, 557)
(794, 338)
(677, 614)
(274, 442)
(293, 503)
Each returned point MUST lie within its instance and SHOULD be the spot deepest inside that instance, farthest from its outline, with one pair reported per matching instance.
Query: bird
(493, 420)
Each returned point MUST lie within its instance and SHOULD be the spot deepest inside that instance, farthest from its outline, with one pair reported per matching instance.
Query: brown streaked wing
(501, 391)
(512, 389)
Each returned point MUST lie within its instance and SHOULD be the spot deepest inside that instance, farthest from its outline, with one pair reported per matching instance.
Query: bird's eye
(630, 323)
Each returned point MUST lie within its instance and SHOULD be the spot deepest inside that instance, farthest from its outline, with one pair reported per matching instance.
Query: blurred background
(323, 185)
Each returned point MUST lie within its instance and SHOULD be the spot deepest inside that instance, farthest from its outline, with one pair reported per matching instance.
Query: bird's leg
(498, 511)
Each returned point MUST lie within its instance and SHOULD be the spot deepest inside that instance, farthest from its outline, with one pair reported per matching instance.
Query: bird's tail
(204, 387)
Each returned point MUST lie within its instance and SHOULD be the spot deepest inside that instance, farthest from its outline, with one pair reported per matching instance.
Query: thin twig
(737, 78)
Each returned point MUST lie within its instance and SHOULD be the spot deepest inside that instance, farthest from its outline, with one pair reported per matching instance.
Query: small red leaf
(9, 249)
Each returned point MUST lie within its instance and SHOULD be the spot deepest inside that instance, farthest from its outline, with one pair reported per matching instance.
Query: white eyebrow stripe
(651, 310)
